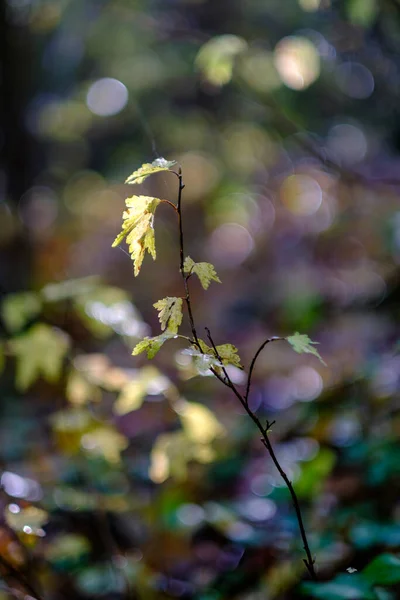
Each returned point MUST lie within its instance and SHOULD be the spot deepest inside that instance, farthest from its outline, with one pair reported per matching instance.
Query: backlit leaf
(19, 309)
(302, 344)
(206, 358)
(199, 423)
(106, 442)
(160, 164)
(170, 313)
(216, 58)
(39, 352)
(137, 227)
(204, 271)
(146, 381)
(151, 345)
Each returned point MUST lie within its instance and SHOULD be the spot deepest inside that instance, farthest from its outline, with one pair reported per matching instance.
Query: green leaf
(362, 12)
(342, 587)
(160, 164)
(151, 345)
(39, 352)
(383, 570)
(19, 309)
(302, 344)
(138, 228)
(170, 313)
(204, 271)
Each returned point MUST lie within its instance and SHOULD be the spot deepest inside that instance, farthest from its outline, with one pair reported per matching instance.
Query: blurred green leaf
(216, 58)
(19, 309)
(314, 473)
(342, 587)
(362, 12)
(383, 570)
(39, 352)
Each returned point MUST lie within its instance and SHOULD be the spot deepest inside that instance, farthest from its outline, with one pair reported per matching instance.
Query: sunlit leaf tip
(151, 345)
(138, 228)
(170, 313)
(205, 271)
(302, 344)
(147, 169)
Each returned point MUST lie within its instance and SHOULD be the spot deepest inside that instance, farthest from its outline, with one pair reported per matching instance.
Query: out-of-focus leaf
(19, 309)
(216, 58)
(138, 228)
(160, 164)
(302, 344)
(199, 423)
(204, 271)
(172, 453)
(54, 292)
(79, 390)
(2, 358)
(383, 570)
(39, 352)
(67, 550)
(362, 12)
(107, 309)
(343, 587)
(100, 580)
(105, 442)
(28, 520)
(314, 473)
(170, 313)
(152, 345)
(148, 380)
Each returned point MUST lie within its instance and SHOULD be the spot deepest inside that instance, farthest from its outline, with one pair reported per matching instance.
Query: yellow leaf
(148, 380)
(160, 164)
(106, 442)
(137, 227)
(204, 271)
(199, 423)
(170, 313)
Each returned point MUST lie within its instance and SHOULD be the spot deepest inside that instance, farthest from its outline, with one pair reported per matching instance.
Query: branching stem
(243, 398)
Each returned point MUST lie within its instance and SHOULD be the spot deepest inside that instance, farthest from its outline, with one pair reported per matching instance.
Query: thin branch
(253, 362)
(170, 203)
(182, 257)
(225, 379)
(309, 561)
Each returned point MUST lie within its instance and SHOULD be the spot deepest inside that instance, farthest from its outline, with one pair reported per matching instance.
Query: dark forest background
(285, 118)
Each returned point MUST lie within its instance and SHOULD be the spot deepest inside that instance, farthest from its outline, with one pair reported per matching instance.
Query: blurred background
(122, 478)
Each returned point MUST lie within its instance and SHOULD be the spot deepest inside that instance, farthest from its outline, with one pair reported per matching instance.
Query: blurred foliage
(125, 480)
